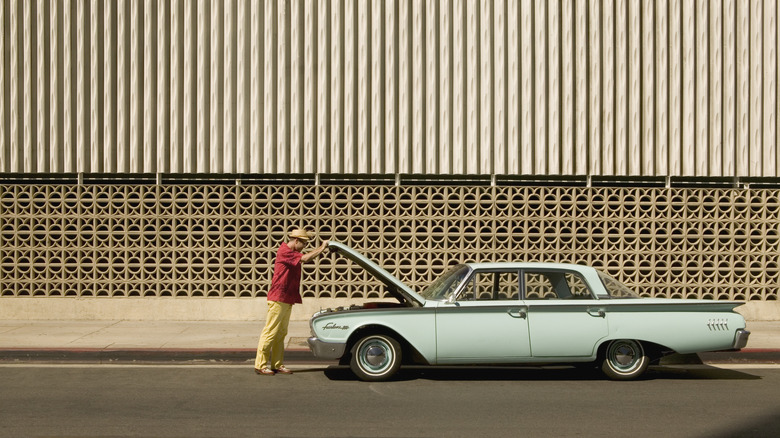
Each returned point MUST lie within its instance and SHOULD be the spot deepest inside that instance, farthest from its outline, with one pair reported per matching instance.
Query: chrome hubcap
(375, 356)
(625, 355)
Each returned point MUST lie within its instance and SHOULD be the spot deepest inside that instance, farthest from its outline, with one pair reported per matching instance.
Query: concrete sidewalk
(23, 341)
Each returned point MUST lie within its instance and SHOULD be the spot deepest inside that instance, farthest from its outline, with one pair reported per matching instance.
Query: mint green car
(519, 313)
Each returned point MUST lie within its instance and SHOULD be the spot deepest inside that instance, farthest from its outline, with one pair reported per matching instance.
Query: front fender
(416, 326)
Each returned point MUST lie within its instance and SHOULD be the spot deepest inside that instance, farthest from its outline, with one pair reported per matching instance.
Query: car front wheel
(624, 359)
(376, 358)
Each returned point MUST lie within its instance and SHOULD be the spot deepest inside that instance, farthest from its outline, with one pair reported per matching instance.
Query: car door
(564, 319)
(486, 323)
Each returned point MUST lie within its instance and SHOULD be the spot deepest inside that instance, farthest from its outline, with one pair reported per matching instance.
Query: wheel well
(409, 353)
(652, 350)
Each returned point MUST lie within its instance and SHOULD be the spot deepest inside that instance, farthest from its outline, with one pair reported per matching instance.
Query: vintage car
(519, 313)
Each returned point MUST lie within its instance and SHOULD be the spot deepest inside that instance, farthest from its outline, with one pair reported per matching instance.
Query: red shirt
(286, 282)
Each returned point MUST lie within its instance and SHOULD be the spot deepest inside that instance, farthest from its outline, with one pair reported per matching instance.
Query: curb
(143, 356)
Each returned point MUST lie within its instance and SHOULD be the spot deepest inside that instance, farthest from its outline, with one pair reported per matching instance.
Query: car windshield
(615, 288)
(444, 286)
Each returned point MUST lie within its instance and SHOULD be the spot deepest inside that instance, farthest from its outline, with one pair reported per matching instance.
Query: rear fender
(682, 332)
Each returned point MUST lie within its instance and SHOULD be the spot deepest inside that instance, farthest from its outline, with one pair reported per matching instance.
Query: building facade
(163, 148)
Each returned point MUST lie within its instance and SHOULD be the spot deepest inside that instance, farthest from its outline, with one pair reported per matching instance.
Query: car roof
(528, 265)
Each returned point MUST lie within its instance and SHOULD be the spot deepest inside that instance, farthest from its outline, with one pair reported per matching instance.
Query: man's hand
(314, 253)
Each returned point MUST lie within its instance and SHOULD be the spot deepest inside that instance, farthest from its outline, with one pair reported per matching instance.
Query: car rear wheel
(376, 358)
(624, 359)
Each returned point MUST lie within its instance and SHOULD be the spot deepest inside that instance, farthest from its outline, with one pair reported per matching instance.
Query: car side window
(485, 286)
(538, 287)
(508, 285)
(467, 294)
(551, 285)
(579, 289)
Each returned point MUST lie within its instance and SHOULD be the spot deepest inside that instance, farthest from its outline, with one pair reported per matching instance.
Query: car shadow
(699, 372)
(537, 373)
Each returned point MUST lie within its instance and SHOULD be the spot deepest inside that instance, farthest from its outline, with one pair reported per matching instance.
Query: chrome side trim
(326, 350)
(741, 339)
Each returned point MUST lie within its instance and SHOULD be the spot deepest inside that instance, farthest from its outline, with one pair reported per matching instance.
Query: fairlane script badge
(334, 326)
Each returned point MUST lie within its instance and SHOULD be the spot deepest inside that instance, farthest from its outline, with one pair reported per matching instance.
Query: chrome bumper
(740, 339)
(326, 350)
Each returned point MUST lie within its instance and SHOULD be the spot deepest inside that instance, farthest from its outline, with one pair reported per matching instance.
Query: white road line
(724, 366)
(746, 366)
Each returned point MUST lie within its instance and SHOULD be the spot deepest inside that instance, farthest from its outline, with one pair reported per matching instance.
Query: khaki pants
(271, 345)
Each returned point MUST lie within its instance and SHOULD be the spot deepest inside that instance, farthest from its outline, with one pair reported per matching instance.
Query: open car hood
(396, 288)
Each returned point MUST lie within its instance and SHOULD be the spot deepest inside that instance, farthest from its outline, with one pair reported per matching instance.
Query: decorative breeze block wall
(220, 240)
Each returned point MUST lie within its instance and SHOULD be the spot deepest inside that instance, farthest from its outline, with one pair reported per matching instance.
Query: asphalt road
(195, 401)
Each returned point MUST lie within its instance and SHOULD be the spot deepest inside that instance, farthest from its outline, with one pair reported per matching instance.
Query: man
(284, 292)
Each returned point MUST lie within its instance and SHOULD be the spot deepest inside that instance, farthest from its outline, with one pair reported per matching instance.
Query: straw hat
(300, 234)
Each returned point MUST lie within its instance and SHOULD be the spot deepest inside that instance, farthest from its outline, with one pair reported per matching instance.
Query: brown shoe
(265, 372)
(283, 370)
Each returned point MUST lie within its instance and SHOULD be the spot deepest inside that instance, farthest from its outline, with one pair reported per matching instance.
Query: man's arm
(314, 253)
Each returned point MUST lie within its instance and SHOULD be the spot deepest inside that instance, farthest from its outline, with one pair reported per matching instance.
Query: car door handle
(517, 313)
(599, 313)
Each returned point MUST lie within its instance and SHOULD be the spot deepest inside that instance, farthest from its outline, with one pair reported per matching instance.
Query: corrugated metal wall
(599, 87)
